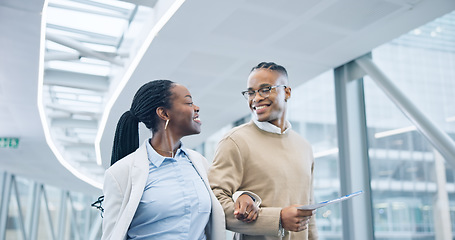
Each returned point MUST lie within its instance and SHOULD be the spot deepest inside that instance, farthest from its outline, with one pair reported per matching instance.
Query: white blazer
(124, 184)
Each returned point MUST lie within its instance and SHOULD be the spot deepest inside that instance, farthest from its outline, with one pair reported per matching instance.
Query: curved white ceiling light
(166, 15)
(89, 49)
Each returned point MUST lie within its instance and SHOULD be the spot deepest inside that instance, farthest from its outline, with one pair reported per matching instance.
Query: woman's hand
(246, 209)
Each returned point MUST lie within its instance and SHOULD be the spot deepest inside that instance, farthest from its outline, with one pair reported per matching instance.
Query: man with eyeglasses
(267, 157)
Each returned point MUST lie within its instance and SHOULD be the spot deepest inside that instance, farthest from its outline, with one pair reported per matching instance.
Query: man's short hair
(272, 66)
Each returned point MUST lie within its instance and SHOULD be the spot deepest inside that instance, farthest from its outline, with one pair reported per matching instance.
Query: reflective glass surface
(408, 176)
(312, 114)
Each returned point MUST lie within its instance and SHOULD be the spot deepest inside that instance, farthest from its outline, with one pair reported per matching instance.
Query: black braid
(272, 66)
(147, 99)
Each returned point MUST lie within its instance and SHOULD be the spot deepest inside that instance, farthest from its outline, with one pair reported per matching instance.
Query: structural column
(441, 206)
(5, 200)
(353, 152)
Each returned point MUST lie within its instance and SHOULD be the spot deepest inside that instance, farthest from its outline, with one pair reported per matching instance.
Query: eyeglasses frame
(248, 97)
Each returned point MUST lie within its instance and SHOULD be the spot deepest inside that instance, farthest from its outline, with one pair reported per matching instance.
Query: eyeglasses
(263, 92)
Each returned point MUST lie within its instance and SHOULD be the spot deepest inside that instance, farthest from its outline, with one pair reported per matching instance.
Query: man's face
(272, 108)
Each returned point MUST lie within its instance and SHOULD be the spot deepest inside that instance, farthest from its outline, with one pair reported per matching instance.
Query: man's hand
(295, 220)
(246, 209)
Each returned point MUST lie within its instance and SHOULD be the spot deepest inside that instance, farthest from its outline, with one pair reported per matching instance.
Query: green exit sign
(8, 142)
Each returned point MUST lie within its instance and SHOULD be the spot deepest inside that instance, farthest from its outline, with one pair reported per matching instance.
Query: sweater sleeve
(225, 177)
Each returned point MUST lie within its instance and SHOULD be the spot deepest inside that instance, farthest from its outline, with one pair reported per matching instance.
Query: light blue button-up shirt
(175, 204)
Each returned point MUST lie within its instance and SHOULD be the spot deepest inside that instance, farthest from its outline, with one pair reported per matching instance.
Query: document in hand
(325, 203)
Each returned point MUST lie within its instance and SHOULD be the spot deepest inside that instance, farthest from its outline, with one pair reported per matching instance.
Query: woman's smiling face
(184, 114)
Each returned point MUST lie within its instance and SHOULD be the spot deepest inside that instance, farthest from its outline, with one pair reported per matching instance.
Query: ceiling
(208, 46)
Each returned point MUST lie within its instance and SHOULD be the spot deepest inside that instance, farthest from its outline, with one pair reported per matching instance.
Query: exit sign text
(8, 142)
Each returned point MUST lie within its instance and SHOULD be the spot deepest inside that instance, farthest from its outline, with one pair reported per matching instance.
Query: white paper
(325, 203)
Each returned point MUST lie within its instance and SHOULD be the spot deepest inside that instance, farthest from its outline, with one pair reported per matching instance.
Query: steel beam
(76, 80)
(73, 123)
(85, 51)
(6, 197)
(34, 211)
(441, 204)
(20, 220)
(62, 217)
(47, 214)
(438, 138)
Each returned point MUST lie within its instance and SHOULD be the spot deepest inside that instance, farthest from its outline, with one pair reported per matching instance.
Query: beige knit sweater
(277, 167)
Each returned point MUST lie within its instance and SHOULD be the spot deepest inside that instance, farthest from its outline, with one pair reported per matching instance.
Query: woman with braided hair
(159, 190)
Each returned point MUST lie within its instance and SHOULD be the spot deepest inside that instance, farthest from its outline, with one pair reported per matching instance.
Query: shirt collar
(268, 127)
(156, 159)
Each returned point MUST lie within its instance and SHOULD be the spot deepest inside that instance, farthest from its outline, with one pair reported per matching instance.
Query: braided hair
(147, 99)
(271, 66)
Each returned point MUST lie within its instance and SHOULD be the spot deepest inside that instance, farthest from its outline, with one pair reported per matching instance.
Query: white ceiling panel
(355, 15)
(308, 39)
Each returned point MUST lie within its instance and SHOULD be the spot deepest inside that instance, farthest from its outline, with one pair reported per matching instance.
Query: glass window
(312, 114)
(406, 190)
(29, 203)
